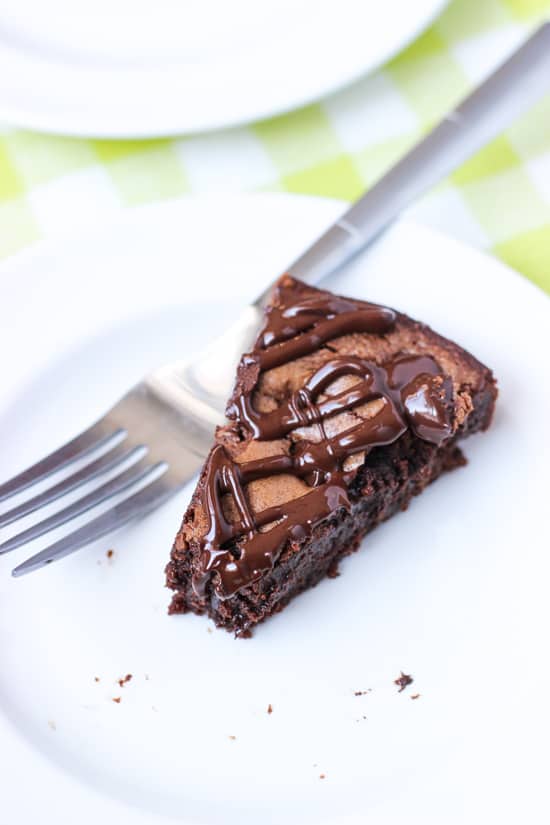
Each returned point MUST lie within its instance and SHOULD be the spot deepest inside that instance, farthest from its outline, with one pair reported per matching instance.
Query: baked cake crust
(342, 412)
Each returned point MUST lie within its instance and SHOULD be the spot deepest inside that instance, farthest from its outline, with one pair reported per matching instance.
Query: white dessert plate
(134, 68)
(453, 592)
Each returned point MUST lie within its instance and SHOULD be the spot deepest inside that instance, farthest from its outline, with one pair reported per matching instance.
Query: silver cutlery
(155, 438)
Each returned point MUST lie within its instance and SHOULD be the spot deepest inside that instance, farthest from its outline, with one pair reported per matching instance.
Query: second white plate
(134, 69)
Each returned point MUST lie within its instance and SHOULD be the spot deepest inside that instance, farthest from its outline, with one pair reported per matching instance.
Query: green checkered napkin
(499, 200)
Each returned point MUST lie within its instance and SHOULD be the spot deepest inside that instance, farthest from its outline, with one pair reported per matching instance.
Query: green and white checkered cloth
(499, 200)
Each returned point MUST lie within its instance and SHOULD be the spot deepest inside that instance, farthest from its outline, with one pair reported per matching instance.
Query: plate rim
(229, 199)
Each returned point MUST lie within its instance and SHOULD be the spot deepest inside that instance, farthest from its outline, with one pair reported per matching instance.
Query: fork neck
(209, 377)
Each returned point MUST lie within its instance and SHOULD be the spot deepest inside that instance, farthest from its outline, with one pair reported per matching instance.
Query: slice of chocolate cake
(341, 413)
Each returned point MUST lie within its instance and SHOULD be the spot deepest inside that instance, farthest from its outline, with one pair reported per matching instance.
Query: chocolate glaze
(240, 564)
(407, 381)
(410, 391)
(293, 331)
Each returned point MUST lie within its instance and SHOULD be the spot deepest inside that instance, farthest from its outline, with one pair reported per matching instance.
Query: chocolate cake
(342, 412)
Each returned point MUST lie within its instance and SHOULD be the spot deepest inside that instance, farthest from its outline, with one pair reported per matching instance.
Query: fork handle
(509, 91)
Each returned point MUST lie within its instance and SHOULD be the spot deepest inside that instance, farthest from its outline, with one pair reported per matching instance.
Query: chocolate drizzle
(238, 565)
(293, 331)
(409, 392)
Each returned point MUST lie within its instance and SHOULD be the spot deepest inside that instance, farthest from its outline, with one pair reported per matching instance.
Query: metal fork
(156, 437)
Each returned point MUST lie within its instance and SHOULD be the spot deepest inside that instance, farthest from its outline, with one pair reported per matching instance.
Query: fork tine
(90, 439)
(116, 485)
(138, 504)
(106, 462)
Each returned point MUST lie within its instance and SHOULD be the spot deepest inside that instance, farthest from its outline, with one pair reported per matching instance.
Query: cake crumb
(362, 692)
(124, 680)
(322, 776)
(333, 571)
(110, 554)
(117, 699)
(232, 737)
(403, 681)
(52, 725)
(415, 695)
(97, 679)
(209, 630)
(270, 708)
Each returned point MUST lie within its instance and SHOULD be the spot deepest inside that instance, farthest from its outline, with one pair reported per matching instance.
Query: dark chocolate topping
(410, 392)
(292, 331)
(238, 565)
